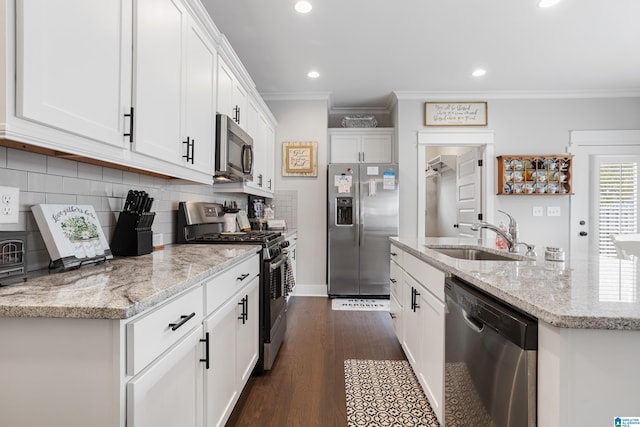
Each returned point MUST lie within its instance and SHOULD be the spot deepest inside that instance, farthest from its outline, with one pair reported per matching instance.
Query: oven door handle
(277, 264)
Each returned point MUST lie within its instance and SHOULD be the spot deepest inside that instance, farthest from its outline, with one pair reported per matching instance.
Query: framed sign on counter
(455, 114)
(300, 158)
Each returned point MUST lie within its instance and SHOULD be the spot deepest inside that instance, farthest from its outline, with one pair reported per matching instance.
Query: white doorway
(481, 141)
(598, 207)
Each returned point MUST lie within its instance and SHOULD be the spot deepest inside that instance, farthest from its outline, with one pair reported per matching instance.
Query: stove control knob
(285, 244)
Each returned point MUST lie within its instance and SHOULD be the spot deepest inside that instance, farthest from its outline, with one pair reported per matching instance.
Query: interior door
(468, 192)
(584, 234)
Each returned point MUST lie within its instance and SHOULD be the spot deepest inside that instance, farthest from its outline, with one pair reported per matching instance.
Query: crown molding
(296, 96)
(560, 94)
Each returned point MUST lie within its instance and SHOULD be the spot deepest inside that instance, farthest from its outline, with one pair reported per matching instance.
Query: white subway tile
(28, 199)
(60, 199)
(112, 175)
(130, 178)
(76, 186)
(26, 161)
(100, 188)
(3, 157)
(43, 183)
(62, 167)
(94, 201)
(14, 178)
(88, 171)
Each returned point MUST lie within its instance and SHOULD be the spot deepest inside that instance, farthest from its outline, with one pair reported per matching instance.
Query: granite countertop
(120, 288)
(590, 293)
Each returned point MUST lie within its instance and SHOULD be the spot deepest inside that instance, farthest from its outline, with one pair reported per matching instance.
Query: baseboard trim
(310, 290)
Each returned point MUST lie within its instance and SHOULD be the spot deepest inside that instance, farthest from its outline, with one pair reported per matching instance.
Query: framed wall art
(300, 158)
(455, 114)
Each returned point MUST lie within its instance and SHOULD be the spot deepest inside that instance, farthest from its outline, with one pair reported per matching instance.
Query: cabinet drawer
(395, 311)
(396, 254)
(395, 280)
(429, 276)
(222, 287)
(153, 333)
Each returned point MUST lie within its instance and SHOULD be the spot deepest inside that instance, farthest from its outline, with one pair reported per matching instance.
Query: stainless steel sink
(476, 254)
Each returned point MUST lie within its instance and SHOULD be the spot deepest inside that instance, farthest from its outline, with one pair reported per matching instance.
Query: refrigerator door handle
(357, 216)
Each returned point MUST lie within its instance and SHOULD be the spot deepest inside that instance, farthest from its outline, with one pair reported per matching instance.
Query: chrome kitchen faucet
(511, 237)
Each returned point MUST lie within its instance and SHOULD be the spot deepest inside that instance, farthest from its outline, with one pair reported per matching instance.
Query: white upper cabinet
(361, 145)
(160, 29)
(200, 103)
(74, 74)
(232, 96)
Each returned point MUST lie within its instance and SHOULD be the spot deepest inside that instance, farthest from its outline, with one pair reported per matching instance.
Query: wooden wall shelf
(535, 175)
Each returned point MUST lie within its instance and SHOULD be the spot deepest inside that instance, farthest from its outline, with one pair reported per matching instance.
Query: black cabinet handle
(206, 350)
(393, 316)
(242, 277)
(130, 134)
(260, 180)
(393, 280)
(189, 155)
(236, 114)
(183, 319)
(243, 314)
(394, 254)
(583, 233)
(415, 304)
(269, 181)
(246, 307)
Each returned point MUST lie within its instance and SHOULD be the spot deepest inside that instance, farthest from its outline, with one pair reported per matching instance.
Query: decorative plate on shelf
(359, 121)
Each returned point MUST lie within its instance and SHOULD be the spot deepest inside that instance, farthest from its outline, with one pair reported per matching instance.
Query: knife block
(133, 235)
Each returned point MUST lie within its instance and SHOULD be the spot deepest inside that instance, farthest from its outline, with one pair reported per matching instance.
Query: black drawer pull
(182, 321)
(393, 280)
(206, 350)
(394, 254)
(244, 276)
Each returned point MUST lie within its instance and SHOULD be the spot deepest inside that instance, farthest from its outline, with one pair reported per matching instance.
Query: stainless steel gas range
(202, 223)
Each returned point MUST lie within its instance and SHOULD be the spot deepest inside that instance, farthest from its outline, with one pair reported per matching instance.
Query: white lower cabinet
(422, 331)
(168, 392)
(233, 352)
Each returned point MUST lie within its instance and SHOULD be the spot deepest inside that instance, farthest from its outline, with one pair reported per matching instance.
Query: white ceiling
(366, 49)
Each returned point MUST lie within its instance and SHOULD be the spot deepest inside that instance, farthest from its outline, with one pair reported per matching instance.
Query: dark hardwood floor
(305, 387)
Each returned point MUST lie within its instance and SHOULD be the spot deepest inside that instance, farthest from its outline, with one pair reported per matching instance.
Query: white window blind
(618, 213)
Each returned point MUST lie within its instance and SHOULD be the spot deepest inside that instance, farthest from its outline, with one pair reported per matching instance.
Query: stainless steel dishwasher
(490, 360)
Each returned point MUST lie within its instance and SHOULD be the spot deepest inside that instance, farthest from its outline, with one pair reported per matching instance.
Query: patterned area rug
(360, 304)
(464, 407)
(385, 393)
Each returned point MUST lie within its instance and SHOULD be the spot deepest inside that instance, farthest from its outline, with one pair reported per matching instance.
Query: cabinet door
(431, 363)
(345, 148)
(247, 333)
(220, 378)
(168, 393)
(224, 87)
(57, 85)
(240, 102)
(159, 30)
(253, 129)
(199, 125)
(410, 321)
(270, 160)
(376, 149)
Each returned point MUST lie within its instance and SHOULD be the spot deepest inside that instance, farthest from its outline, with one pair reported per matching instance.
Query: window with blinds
(618, 213)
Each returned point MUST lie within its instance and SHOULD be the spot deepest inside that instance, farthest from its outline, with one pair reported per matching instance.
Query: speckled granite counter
(122, 287)
(593, 293)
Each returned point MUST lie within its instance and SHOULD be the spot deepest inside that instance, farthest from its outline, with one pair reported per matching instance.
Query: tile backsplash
(47, 179)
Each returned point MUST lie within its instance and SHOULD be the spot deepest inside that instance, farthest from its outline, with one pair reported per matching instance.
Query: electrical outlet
(537, 211)
(9, 205)
(553, 211)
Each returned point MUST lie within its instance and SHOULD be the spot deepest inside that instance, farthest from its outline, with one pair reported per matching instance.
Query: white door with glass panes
(604, 187)
(57, 85)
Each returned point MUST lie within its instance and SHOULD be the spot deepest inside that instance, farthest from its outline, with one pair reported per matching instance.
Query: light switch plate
(553, 211)
(9, 205)
(537, 211)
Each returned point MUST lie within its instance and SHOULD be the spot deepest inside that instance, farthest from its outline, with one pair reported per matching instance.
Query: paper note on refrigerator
(389, 181)
(343, 182)
(372, 170)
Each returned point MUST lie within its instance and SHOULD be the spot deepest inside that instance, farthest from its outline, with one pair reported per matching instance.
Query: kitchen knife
(128, 203)
(147, 206)
(143, 202)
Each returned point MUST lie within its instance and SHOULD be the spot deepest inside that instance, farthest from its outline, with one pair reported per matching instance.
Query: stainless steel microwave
(234, 152)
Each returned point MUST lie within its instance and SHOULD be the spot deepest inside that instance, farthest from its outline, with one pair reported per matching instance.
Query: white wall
(306, 121)
(524, 126)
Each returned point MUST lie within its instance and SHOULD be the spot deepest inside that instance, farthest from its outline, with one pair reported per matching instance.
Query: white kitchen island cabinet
(588, 346)
(132, 366)
(361, 145)
(422, 315)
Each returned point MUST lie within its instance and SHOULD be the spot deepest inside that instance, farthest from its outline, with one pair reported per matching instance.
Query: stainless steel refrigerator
(362, 214)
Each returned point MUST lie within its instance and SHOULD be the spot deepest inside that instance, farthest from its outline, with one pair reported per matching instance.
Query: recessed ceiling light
(313, 74)
(548, 3)
(303, 7)
(479, 72)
